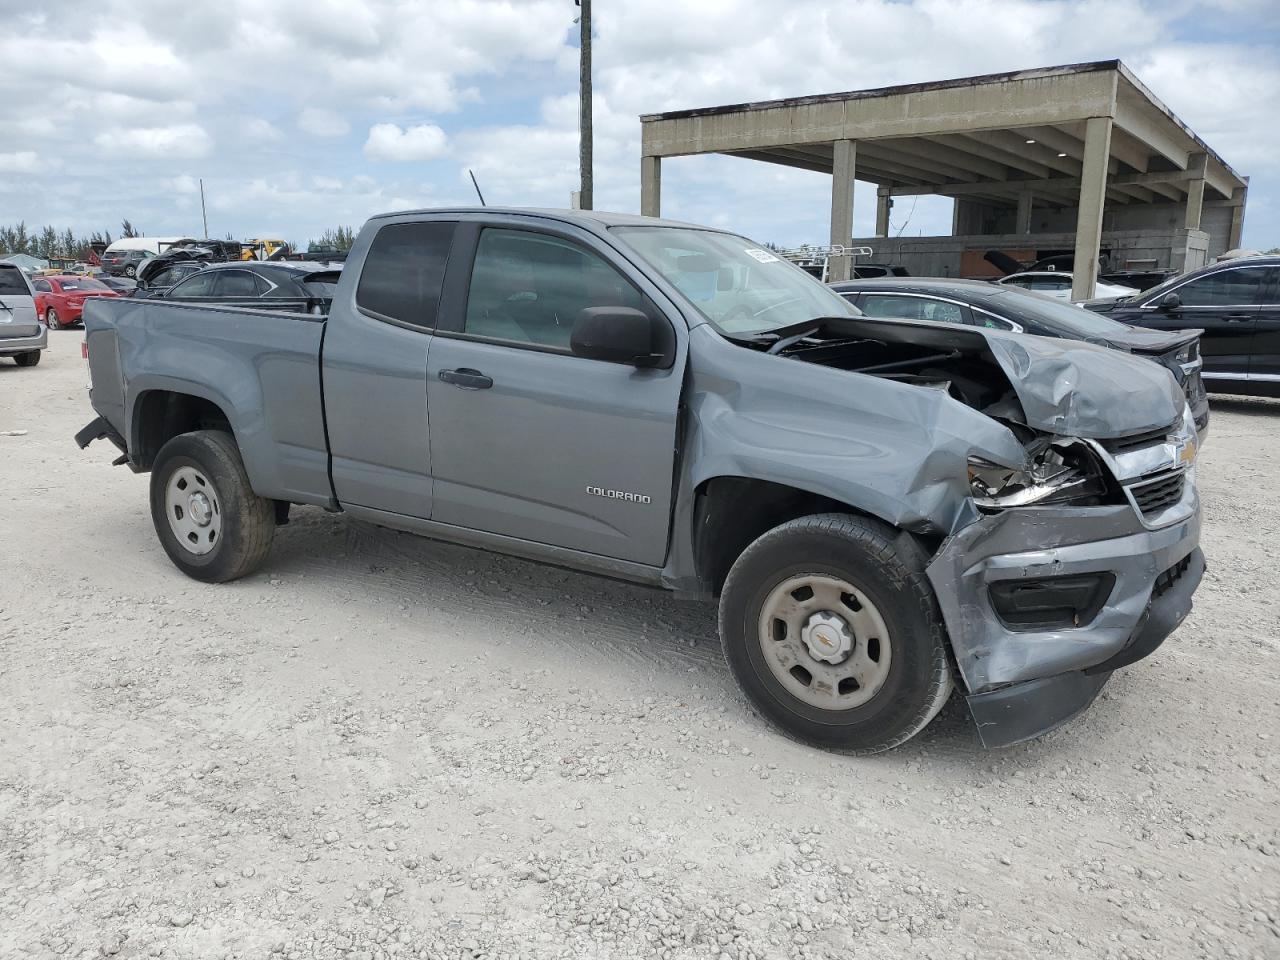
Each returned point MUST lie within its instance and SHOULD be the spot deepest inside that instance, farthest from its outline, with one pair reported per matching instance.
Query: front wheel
(51, 320)
(209, 520)
(832, 630)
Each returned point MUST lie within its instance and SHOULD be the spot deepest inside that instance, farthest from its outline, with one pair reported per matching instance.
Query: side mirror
(619, 335)
(1170, 301)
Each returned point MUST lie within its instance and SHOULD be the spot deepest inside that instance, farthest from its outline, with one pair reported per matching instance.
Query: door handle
(467, 378)
(1238, 317)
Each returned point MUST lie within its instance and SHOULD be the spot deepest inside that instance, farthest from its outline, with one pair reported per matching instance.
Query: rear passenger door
(1264, 362)
(375, 367)
(531, 442)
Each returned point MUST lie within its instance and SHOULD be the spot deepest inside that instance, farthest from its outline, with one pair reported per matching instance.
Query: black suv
(1237, 305)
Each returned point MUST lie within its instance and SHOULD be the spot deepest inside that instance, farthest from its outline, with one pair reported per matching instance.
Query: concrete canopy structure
(1088, 136)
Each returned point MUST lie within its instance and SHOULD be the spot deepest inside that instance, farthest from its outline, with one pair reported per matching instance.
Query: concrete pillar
(1093, 196)
(884, 203)
(842, 173)
(1197, 164)
(1023, 222)
(651, 186)
(1235, 239)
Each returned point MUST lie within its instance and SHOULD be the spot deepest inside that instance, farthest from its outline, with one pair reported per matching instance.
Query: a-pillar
(844, 156)
(1093, 196)
(884, 203)
(1024, 212)
(1197, 165)
(651, 186)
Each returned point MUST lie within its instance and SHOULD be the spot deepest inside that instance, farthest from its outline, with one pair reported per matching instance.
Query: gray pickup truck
(879, 507)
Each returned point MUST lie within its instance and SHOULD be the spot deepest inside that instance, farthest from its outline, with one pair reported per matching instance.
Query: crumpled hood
(1080, 390)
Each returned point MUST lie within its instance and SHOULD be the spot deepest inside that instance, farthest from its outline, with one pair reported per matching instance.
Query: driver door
(532, 442)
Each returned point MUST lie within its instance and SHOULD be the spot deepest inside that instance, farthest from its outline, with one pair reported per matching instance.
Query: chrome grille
(1137, 440)
(1152, 496)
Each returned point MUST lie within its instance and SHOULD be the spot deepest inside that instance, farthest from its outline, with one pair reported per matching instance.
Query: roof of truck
(591, 217)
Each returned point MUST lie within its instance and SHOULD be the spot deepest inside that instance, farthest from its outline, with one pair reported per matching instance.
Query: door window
(531, 288)
(1227, 288)
(201, 285)
(404, 272)
(42, 286)
(237, 283)
(912, 308)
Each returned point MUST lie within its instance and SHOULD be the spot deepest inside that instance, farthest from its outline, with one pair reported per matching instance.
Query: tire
(131, 271)
(904, 679)
(238, 525)
(27, 359)
(51, 320)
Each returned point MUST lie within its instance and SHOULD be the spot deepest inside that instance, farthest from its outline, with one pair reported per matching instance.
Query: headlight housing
(1060, 471)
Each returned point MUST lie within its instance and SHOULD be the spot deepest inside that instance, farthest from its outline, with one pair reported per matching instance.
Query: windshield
(1057, 316)
(739, 286)
(85, 284)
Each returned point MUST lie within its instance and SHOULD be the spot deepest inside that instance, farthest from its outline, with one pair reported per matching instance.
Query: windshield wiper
(783, 342)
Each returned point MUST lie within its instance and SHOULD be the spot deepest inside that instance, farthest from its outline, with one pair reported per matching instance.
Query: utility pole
(203, 216)
(584, 105)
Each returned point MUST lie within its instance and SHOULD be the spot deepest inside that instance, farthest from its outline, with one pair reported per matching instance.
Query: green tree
(127, 229)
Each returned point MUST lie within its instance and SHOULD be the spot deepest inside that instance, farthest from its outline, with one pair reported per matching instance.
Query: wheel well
(161, 415)
(731, 512)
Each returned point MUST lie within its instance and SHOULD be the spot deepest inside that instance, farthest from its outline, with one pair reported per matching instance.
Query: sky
(301, 115)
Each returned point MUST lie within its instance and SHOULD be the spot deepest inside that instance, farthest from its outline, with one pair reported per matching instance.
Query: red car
(60, 300)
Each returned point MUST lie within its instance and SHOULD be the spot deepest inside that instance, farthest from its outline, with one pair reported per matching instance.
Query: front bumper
(12, 345)
(1022, 682)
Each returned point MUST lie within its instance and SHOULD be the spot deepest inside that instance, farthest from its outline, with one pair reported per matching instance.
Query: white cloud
(261, 131)
(280, 87)
(176, 142)
(387, 141)
(21, 161)
(323, 123)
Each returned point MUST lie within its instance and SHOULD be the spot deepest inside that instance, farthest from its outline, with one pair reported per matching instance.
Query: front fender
(895, 451)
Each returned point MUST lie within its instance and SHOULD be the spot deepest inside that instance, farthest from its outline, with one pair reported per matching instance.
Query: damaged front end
(1068, 553)
(1082, 563)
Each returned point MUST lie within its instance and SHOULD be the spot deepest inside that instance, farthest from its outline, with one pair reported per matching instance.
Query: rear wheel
(131, 271)
(831, 628)
(51, 320)
(28, 359)
(209, 520)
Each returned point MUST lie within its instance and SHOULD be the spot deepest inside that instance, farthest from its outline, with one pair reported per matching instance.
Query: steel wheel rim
(194, 510)
(799, 623)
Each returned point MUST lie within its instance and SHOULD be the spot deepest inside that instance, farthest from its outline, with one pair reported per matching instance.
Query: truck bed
(259, 367)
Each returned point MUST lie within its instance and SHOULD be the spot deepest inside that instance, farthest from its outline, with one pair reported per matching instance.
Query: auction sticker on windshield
(764, 256)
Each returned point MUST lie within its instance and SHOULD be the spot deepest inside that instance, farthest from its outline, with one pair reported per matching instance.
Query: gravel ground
(385, 747)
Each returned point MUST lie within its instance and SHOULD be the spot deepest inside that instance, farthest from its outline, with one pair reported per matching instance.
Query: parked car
(156, 278)
(21, 334)
(124, 256)
(287, 284)
(982, 304)
(1237, 305)
(871, 501)
(1057, 284)
(60, 299)
(124, 263)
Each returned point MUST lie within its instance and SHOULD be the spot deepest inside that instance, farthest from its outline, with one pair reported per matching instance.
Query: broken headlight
(1060, 472)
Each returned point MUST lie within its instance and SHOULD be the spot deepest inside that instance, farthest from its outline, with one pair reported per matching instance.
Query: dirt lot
(382, 746)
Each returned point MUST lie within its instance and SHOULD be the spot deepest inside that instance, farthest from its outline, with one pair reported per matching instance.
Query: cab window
(530, 288)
